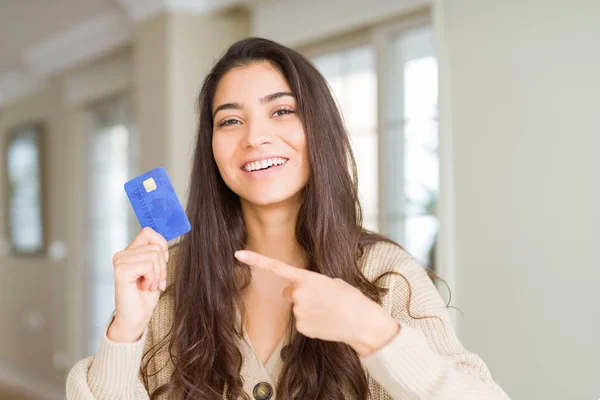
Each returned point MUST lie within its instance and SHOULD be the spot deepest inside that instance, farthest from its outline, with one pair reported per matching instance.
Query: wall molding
(141, 10)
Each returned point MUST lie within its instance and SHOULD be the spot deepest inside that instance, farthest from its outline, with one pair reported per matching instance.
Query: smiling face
(258, 140)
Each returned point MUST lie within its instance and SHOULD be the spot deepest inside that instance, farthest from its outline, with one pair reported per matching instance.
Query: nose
(258, 133)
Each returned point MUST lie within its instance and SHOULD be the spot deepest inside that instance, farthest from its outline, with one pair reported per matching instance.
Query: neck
(271, 231)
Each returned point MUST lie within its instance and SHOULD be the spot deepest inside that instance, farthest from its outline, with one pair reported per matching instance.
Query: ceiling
(40, 38)
(27, 23)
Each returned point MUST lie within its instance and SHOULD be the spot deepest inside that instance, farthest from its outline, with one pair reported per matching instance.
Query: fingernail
(240, 255)
(163, 285)
(167, 256)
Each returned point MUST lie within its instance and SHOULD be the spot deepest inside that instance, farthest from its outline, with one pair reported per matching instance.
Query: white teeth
(257, 165)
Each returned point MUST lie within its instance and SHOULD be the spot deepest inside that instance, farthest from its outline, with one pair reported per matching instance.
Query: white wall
(523, 106)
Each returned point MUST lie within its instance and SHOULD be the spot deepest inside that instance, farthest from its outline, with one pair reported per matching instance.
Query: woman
(277, 290)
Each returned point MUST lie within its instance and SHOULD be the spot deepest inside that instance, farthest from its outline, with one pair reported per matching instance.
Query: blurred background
(476, 128)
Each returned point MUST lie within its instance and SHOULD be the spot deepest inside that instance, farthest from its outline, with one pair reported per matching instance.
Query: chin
(270, 198)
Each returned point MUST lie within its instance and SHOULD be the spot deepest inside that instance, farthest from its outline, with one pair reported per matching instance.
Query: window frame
(378, 37)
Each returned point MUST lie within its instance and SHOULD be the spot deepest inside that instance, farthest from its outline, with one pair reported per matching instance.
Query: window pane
(353, 80)
(112, 154)
(25, 204)
(104, 293)
(412, 129)
(364, 147)
(105, 239)
(103, 290)
(406, 54)
(420, 89)
(360, 97)
(421, 233)
(421, 164)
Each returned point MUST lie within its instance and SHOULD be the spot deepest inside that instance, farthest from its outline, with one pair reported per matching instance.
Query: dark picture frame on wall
(23, 161)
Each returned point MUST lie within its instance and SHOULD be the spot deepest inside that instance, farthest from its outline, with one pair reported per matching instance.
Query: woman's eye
(282, 111)
(229, 122)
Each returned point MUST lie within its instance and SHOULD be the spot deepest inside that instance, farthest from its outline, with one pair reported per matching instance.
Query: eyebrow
(274, 96)
(266, 99)
(228, 106)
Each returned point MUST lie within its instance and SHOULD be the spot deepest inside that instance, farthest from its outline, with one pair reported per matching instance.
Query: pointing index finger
(279, 268)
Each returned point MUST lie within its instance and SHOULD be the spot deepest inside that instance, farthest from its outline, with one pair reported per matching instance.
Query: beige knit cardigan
(425, 360)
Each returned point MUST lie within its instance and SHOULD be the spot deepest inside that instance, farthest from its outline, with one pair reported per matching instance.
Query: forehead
(250, 83)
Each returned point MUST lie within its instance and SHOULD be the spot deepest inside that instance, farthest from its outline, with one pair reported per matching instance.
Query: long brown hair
(205, 332)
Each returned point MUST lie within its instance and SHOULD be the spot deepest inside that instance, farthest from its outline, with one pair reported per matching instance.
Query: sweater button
(262, 391)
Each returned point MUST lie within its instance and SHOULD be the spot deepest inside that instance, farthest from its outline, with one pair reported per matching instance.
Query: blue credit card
(156, 204)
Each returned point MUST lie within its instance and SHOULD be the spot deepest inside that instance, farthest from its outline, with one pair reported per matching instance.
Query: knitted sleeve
(111, 374)
(425, 360)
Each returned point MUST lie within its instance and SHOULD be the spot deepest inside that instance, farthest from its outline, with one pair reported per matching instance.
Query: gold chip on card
(149, 185)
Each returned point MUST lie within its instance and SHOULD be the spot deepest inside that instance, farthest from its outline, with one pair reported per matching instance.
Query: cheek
(299, 143)
(296, 138)
(222, 151)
